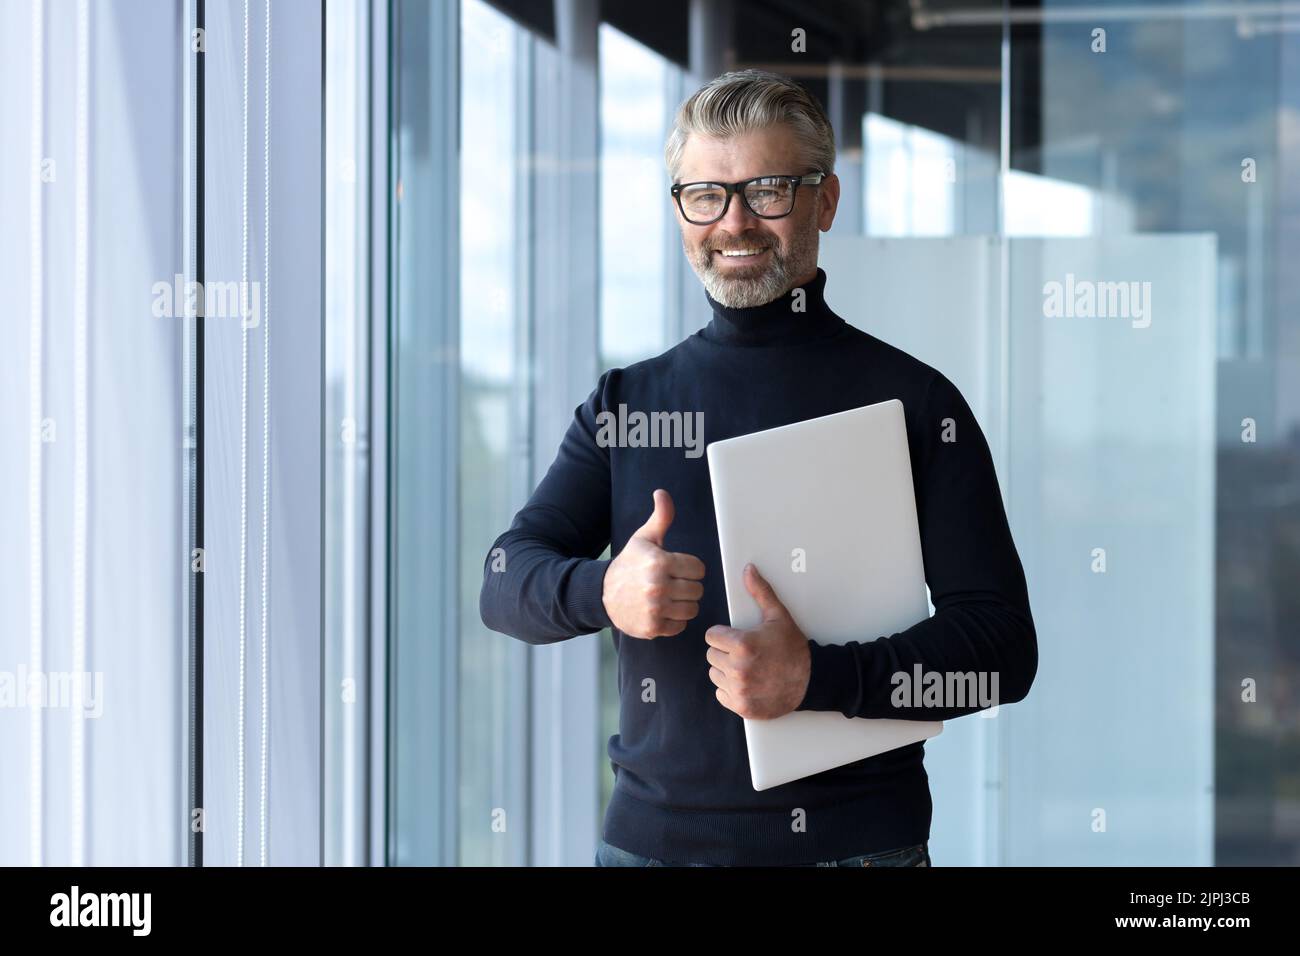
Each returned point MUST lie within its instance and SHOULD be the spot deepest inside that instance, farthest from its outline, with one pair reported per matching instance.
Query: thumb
(763, 594)
(657, 524)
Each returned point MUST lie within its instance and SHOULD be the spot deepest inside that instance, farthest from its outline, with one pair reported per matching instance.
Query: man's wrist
(832, 679)
(587, 595)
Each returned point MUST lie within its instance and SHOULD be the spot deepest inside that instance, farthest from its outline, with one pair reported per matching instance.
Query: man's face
(787, 247)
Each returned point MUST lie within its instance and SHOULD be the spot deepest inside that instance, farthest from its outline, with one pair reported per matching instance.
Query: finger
(719, 659)
(718, 677)
(723, 637)
(680, 611)
(763, 594)
(671, 628)
(686, 566)
(656, 526)
(679, 589)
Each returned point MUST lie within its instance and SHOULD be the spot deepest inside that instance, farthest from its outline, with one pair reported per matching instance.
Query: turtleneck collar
(775, 322)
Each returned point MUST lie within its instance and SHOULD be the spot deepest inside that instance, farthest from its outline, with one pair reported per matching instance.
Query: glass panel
(424, 394)
(92, 534)
(1112, 502)
(1167, 438)
(493, 436)
(101, 376)
(348, 430)
(633, 189)
(976, 178)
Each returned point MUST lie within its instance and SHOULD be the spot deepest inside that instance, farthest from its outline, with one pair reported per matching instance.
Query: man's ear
(828, 201)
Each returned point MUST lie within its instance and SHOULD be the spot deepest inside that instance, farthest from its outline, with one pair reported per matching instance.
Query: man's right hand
(650, 592)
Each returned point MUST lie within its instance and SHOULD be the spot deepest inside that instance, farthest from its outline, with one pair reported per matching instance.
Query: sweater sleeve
(542, 579)
(982, 623)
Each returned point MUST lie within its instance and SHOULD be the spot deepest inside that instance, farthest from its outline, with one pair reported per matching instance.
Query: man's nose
(738, 217)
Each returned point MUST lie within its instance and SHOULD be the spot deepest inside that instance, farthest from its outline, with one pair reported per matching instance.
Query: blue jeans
(919, 855)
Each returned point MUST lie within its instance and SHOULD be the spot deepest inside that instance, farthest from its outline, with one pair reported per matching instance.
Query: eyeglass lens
(766, 197)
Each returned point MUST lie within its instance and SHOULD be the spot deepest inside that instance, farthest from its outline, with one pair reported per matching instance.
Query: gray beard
(776, 279)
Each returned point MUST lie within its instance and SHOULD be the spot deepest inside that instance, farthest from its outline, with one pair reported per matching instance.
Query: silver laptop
(825, 510)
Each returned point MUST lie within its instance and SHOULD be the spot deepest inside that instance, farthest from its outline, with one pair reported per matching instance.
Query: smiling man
(751, 158)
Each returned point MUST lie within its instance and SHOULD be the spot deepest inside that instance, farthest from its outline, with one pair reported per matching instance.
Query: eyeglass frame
(815, 178)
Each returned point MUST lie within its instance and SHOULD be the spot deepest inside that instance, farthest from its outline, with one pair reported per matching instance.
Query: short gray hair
(746, 100)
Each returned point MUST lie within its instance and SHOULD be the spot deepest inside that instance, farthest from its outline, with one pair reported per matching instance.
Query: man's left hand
(760, 673)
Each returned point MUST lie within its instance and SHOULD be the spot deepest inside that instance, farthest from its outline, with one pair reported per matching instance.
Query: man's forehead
(768, 151)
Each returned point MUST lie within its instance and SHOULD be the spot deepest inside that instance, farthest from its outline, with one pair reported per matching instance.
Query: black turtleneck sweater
(683, 791)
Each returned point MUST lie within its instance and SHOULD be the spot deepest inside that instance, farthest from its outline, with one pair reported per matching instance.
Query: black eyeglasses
(768, 197)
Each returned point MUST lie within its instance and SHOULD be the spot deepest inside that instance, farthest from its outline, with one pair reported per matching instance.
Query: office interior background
(262, 541)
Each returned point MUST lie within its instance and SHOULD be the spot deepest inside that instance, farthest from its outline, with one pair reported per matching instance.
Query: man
(752, 161)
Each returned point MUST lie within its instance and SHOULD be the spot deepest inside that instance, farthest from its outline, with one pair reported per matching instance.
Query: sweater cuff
(834, 682)
(586, 596)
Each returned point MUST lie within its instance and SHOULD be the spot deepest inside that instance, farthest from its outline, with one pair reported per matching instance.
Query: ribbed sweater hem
(898, 816)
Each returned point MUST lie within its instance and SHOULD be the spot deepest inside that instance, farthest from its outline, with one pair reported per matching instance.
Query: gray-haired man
(752, 161)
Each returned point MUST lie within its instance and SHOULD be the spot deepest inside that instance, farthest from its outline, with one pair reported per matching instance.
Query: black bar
(334, 907)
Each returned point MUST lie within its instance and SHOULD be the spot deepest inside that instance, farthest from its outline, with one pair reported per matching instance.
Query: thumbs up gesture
(650, 592)
(761, 673)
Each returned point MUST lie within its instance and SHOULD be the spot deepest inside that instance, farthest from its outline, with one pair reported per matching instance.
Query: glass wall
(1189, 139)
(1083, 216)
(995, 165)
(160, 507)
(476, 191)
(493, 425)
(352, 445)
(92, 492)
